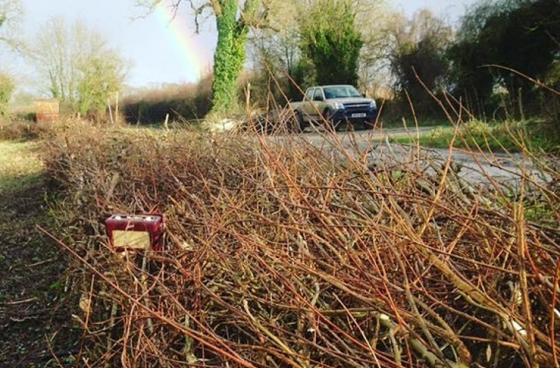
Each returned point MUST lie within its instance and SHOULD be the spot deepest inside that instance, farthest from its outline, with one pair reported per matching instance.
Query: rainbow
(182, 37)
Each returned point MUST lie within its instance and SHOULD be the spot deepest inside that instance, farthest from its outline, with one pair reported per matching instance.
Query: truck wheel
(292, 123)
(300, 122)
(330, 124)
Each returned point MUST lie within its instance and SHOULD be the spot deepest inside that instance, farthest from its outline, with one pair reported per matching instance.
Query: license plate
(359, 115)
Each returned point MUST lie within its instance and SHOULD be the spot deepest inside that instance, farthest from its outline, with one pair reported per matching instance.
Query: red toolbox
(135, 232)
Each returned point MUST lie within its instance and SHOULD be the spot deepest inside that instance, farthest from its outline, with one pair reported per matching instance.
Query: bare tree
(377, 22)
(234, 19)
(276, 57)
(11, 12)
(77, 65)
(418, 59)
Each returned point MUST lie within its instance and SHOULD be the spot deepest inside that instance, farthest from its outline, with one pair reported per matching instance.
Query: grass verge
(20, 166)
(35, 314)
(502, 137)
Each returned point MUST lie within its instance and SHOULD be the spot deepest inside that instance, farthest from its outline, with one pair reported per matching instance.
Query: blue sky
(451, 8)
(149, 43)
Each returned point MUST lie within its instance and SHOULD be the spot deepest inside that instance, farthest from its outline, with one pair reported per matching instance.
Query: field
(282, 253)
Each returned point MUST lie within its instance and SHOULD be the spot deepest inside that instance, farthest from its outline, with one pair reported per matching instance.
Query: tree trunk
(229, 57)
(230, 52)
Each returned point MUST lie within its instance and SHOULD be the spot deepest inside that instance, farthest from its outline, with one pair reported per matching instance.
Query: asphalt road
(475, 167)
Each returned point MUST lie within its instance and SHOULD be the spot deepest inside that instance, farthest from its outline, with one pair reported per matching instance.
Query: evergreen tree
(332, 42)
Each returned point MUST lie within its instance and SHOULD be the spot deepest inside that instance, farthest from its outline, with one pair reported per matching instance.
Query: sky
(451, 9)
(161, 50)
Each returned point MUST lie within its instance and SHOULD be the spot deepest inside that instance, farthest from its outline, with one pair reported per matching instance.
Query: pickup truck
(334, 104)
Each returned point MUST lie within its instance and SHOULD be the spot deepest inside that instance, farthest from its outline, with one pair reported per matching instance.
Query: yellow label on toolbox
(131, 239)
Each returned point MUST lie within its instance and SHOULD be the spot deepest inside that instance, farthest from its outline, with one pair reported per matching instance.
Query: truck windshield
(341, 92)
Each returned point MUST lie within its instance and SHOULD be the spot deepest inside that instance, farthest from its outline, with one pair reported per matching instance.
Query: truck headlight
(372, 105)
(338, 106)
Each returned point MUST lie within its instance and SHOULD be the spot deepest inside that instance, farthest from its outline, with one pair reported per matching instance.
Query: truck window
(341, 92)
(309, 94)
(330, 92)
(318, 96)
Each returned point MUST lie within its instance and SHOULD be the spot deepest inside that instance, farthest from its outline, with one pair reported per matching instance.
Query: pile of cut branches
(282, 253)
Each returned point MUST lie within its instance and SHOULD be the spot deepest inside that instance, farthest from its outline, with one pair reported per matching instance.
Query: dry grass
(285, 254)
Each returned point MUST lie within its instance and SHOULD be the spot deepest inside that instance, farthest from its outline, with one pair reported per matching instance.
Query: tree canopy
(77, 64)
(418, 60)
(332, 41)
(499, 37)
(11, 12)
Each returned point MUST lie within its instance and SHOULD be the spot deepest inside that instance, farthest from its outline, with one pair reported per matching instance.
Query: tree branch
(250, 16)
(198, 10)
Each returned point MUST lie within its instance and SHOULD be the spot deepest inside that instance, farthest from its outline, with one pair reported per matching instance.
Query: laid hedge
(282, 252)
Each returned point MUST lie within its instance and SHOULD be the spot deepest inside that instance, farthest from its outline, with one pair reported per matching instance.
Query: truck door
(318, 99)
(307, 105)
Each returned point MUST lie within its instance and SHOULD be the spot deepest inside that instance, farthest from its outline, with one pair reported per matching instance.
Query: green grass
(502, 137)
(20, 167)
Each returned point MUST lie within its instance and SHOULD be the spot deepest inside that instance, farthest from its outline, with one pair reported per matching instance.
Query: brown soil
(36, 326)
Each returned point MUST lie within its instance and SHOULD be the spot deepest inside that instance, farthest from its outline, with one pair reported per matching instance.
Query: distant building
(47, 110)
